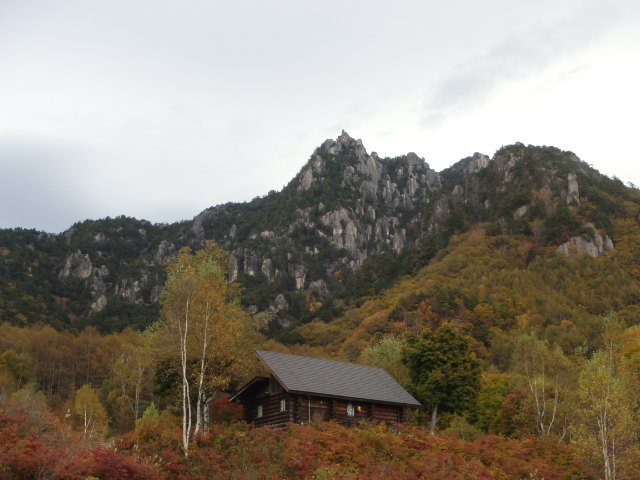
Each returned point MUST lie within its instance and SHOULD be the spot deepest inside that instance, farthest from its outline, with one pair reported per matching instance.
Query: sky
(158, 109)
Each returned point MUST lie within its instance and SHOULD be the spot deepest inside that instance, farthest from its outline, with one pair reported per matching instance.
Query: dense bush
(331, 451)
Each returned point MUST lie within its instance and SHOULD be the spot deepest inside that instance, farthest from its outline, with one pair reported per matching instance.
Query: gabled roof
(307, 375)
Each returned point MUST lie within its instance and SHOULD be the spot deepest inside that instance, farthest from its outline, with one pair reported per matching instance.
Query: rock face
(78, 265)
(367, 204)
(573, 194)
(166, 251)
(279, 303)
(475, 163)
(103, 285)
(592, 243)
(299, 273)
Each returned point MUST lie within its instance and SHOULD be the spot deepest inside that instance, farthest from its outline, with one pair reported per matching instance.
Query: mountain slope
(534, 239)
(343, 206)
(348, 226)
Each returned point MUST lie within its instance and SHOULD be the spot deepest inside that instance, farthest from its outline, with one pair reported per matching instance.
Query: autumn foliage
(331, 451)
(53, 451)
(47, 448)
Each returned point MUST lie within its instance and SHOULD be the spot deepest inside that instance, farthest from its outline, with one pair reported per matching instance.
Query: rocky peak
(519, 185)
(374, 192)
(506, 159)
(343, 206)
(476, 162)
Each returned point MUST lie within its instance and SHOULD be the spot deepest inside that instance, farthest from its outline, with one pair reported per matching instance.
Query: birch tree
(89, 413)
(549, 378)
(201, 311)
(605, 431)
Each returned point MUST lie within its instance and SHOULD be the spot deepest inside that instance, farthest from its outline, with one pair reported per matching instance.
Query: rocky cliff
(343, 205)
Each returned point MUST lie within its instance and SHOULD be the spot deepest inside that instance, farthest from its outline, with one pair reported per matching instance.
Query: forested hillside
(293, 249)
(347, 226)
(526, 264)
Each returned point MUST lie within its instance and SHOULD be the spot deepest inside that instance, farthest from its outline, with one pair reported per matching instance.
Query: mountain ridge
(298, 248)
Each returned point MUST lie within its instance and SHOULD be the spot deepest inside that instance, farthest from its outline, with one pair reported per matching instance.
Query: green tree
(493, 392)
(131, 374)
(150, 417)
(444, 373)
(18, 365)
(387, 354)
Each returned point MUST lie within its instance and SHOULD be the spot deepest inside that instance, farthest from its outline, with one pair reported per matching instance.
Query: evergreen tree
(444, 374)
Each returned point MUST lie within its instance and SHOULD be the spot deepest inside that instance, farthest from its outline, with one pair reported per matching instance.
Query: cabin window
(350, 410)
(283, 405)
(259, 411)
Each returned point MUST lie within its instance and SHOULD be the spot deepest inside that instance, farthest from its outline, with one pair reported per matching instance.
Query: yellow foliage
(482, 282)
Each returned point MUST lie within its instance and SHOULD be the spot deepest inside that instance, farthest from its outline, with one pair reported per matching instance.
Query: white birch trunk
(186, 395)
(434, 419)
(201, 375)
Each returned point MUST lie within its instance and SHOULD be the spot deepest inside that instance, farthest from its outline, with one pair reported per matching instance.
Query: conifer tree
(444, 373)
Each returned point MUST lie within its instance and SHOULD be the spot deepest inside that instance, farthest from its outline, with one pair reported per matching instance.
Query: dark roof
(299, 374)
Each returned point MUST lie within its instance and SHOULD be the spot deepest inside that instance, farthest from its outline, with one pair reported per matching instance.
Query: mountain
(343, 206)
(532, 239)
(348, 226)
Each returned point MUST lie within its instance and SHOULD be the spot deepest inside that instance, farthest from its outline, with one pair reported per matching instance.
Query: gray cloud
(43, 184)
(516, 55)
(160, 109)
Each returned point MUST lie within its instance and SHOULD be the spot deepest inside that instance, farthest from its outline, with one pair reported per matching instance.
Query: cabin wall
(303, 409)
(388, 413)
(272, 414)
(314, 409)
(364, 411)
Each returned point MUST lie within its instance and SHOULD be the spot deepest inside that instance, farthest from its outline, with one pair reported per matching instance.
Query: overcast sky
(160, 109)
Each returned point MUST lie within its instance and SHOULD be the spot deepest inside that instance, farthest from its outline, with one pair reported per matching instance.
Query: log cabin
(300, 389)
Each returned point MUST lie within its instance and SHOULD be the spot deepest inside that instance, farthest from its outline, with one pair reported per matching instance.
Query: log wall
(305, 409)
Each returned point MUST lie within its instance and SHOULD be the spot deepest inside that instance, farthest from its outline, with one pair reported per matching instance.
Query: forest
(560, 384)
